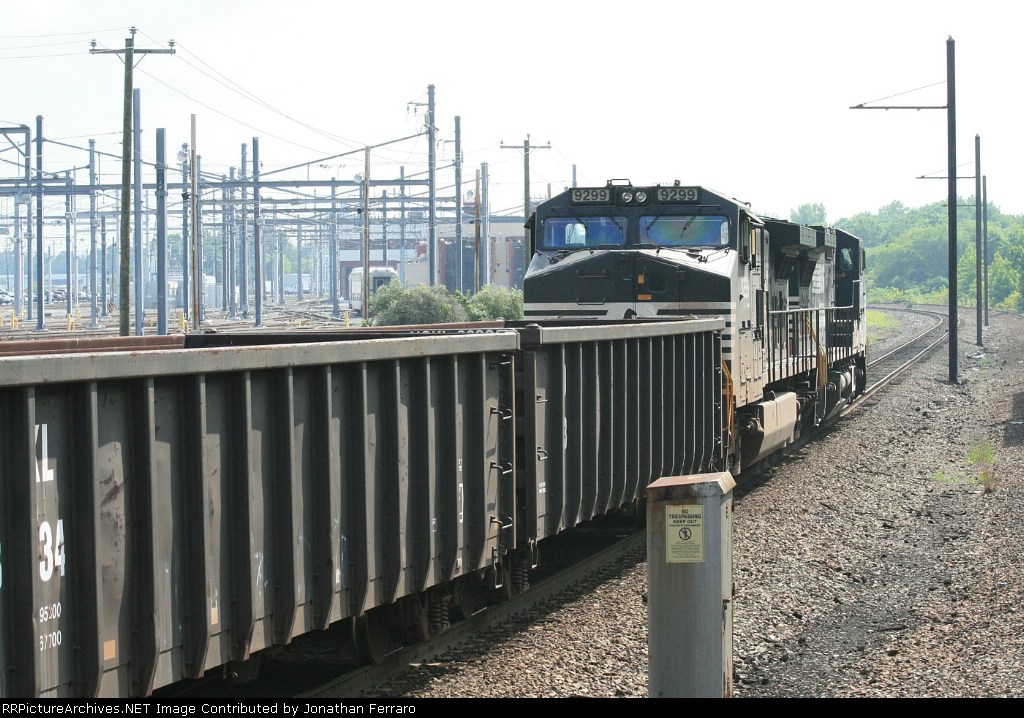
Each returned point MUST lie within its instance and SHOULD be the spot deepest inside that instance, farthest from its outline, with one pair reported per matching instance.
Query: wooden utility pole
(526, 171)
(126, 163)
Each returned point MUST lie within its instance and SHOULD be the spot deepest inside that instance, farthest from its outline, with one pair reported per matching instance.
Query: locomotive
(792, 296)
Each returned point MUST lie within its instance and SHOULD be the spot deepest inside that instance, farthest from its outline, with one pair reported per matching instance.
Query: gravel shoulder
(883, 561)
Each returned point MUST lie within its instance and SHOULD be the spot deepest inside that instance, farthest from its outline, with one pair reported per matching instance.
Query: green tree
(808, 214)
(891, 222)
(967, 277)
(1004, 280)
(918, 259)
(908, 253)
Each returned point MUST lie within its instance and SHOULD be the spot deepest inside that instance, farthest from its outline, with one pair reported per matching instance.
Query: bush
(493, 302)
(422, 304)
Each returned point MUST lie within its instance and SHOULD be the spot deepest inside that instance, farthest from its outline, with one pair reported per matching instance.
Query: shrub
(494, 302)
(422, 304)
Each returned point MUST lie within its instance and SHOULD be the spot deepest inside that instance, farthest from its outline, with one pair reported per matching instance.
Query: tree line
(907, 252)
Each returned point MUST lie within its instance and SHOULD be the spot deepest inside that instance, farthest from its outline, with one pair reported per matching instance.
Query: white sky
(750, 98)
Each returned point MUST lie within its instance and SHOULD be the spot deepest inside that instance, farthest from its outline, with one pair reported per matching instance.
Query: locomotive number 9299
(601, 194)
(678, 194)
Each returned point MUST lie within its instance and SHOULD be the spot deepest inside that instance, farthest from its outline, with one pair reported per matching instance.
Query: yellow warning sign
(684, 533)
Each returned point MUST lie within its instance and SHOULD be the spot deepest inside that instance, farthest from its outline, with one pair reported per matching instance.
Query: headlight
(627, 196)
(641, 196)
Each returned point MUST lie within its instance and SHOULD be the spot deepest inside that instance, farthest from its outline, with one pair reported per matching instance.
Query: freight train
(176, 505)
(793, 296)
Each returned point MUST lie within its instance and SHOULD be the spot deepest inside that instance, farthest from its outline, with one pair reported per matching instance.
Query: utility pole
(40, 325)
(243, 277)
(69, 270)
(140, 297)
(384, 223)
(366, 235)
(458, 200)
(233, 271)
(950, 108)
(257, 222)
(161, 233)
(979, 297)
(94, 323)
(984, 215)
(298, 262)
(197, 257)
(103, 264)
(401, 230)
(225, 247)
(526, 171)
(485, 227)
(126, 161)
(954, 318)
(183, 159)
(431, 188)
(333, 253)
(476, 237)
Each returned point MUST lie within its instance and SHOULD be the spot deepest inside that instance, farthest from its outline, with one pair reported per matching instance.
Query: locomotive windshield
(684, 231)
(580, 232)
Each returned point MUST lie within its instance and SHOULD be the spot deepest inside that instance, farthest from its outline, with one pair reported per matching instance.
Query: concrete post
(689, 586)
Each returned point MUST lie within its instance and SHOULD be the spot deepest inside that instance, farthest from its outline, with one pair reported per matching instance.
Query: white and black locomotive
(792, 296)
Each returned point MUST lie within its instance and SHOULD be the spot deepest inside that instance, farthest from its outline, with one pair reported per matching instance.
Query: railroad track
(885, 368)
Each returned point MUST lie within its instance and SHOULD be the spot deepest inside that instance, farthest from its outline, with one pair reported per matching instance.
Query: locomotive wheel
(370, 634)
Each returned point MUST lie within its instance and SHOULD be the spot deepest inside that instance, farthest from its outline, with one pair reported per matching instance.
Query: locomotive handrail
(821, 354)
(730, 408)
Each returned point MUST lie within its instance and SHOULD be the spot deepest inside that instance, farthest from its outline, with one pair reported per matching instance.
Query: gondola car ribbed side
(175, 510)
(608, 408)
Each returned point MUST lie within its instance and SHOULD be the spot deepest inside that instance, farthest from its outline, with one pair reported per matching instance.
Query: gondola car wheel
(370, 634)
(415, 619)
